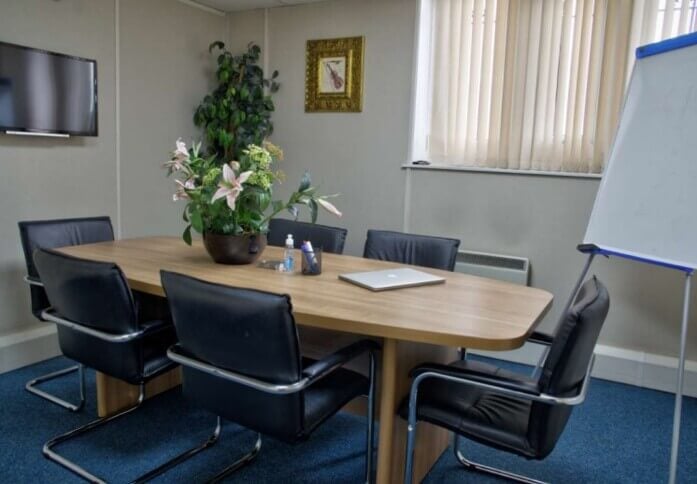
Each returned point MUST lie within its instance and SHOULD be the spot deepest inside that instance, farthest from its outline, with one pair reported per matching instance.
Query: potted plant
(231, 205)
(237, 113)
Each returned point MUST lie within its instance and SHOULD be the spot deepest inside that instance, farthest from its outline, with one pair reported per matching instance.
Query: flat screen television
(45, 92)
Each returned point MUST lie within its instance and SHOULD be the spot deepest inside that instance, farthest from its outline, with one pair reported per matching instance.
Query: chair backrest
(419, 250)
(90, 293)
(331, 239)
(244, 331)
(52, 234)
(567, 362)
(95, 295)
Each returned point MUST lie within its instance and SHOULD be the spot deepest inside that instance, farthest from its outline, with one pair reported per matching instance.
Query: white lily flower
(230, 186)
(182, 187)
(329, 207)
(181, 152)
(180, 157)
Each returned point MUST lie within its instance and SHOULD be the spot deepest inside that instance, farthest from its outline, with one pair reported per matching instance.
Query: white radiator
(495, 266)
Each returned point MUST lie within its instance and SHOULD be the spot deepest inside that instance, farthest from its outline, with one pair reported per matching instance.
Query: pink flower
(182, 187)
(180, 157)
(181, 153)
(230, 186)
(329, 207)
(174, 165)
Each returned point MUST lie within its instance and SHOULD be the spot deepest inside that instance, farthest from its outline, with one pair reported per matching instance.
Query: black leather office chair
(414, 249)
(99, 326)
(330, 239)
(506, 410)
(50, 234)
(241, 360)
(419, 250)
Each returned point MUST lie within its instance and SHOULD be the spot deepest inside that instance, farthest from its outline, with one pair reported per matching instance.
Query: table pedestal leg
(114, 394)
(398, 357)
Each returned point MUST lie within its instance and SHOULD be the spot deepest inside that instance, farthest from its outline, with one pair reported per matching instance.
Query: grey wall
(356, 154)
(246, 27)
(542, 218)
(165, 71)
(40, 178)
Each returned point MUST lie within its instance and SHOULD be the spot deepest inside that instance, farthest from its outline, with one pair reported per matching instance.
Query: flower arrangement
(236, 198)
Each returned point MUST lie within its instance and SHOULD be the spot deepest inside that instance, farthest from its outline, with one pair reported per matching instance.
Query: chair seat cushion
(487, 417)
(155, 365)
(328, 395)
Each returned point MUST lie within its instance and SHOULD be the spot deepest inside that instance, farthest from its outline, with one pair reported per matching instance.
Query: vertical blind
(531, 84)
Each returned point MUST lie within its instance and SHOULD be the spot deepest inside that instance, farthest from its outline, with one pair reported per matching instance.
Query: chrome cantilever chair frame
(536, 397)
(209, 442)
(48, 451)
(474, 466)
(543, 357)
(30, 386)
(277, 389)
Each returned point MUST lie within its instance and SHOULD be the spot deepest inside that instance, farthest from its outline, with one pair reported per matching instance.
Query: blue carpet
(620, 434)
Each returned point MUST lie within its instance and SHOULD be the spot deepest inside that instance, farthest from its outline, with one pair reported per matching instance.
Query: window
(531, 84)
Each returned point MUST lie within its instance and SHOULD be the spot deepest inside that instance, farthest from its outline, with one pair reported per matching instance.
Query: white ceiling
(236, 5)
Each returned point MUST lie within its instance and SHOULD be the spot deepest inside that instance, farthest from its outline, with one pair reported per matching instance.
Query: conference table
(413, 325)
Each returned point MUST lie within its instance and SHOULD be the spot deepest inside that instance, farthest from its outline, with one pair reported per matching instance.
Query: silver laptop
(391, 279)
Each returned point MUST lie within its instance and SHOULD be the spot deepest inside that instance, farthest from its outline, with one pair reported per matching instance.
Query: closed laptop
(391, 279)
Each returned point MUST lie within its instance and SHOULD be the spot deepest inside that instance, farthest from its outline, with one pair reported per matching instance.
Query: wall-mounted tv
(45, 92)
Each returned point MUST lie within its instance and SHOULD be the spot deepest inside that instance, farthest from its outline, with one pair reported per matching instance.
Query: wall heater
(495, 266)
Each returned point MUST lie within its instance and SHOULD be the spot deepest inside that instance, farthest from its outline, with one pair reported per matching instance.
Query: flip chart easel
(646, 206)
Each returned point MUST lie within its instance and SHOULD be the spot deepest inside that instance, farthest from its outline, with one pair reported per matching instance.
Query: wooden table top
(467, 311)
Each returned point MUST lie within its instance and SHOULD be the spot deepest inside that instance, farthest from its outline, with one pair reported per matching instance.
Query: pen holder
(312, 262)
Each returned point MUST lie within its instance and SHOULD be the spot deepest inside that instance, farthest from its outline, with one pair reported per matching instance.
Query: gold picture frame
(334, 75)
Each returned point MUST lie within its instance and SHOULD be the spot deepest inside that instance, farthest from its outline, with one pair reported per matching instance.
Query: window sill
(501, 171)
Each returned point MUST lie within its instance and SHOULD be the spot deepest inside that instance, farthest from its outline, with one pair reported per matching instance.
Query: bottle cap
(289, 240)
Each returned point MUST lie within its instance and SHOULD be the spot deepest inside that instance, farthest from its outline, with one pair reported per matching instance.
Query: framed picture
(334, 75)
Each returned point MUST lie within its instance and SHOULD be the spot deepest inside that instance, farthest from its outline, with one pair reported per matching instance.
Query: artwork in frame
(334, 75)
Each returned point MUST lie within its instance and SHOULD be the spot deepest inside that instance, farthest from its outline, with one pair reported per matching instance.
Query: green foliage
(238, 111)
(209, 189)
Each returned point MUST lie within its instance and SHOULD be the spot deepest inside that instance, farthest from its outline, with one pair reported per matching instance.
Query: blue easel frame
(593, 250)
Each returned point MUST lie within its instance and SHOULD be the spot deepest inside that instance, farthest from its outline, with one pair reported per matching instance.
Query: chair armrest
(313, 373)
(522, 385)
(512, 387)
(32, 281)
(49, 315)
(540, 338)
(154, 326)
(177, 354)
(330, 363)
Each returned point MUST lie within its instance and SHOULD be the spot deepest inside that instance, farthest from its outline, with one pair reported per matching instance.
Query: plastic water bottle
(288, 254)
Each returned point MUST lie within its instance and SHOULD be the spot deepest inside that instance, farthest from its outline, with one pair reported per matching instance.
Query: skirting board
(29, 346)
(615, 364)
(636, 368)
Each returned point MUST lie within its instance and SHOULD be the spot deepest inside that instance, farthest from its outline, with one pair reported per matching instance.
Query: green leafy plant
(238, 111)
(236, 198)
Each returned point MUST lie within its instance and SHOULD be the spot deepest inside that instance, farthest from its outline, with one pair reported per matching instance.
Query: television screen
(46, 92)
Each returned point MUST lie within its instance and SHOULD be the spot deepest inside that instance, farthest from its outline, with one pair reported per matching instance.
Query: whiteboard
(646, 206)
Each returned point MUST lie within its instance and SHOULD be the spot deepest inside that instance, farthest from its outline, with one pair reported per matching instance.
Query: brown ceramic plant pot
(234, 249)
